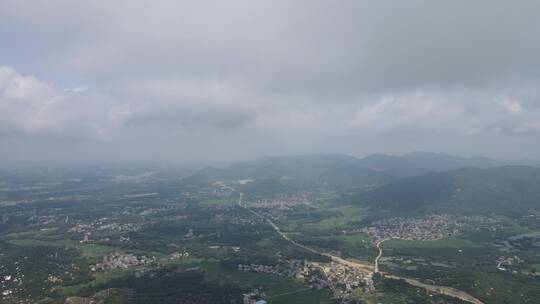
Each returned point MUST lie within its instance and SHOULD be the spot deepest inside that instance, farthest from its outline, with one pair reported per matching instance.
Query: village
(340, 279)
(429, 228)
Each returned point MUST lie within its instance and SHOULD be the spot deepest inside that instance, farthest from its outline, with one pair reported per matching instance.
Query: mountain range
(331, 168)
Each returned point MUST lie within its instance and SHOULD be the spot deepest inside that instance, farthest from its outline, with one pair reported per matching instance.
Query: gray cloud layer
(179, 80)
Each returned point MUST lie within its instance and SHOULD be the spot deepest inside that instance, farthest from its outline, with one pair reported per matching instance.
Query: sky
(181, 81)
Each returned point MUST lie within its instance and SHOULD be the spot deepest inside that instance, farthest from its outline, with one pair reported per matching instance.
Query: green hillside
(507, 190)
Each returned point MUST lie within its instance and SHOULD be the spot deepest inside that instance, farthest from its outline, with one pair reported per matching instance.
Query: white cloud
(32, 107)
(511, 106)
(467, 113)
(29, 106)
(298, 76)
(410, 110)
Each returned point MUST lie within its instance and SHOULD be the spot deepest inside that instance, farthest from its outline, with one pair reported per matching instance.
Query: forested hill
(510, 190)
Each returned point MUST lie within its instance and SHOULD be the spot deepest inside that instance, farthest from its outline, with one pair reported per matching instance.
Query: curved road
(364, 266)
(378, 244)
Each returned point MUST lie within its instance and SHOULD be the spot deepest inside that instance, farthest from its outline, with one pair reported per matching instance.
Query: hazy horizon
(212, 81)
(195, 165)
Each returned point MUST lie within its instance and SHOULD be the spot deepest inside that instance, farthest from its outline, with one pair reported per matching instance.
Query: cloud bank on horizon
(222, 80)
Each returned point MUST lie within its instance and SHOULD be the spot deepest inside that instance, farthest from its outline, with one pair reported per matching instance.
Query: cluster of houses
(431, 228)
(257, 296)
(121, 261)
(340, 279)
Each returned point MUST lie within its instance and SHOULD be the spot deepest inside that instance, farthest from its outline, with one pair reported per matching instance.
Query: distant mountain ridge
(423, 162)
(340, 170)
(295, 171)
